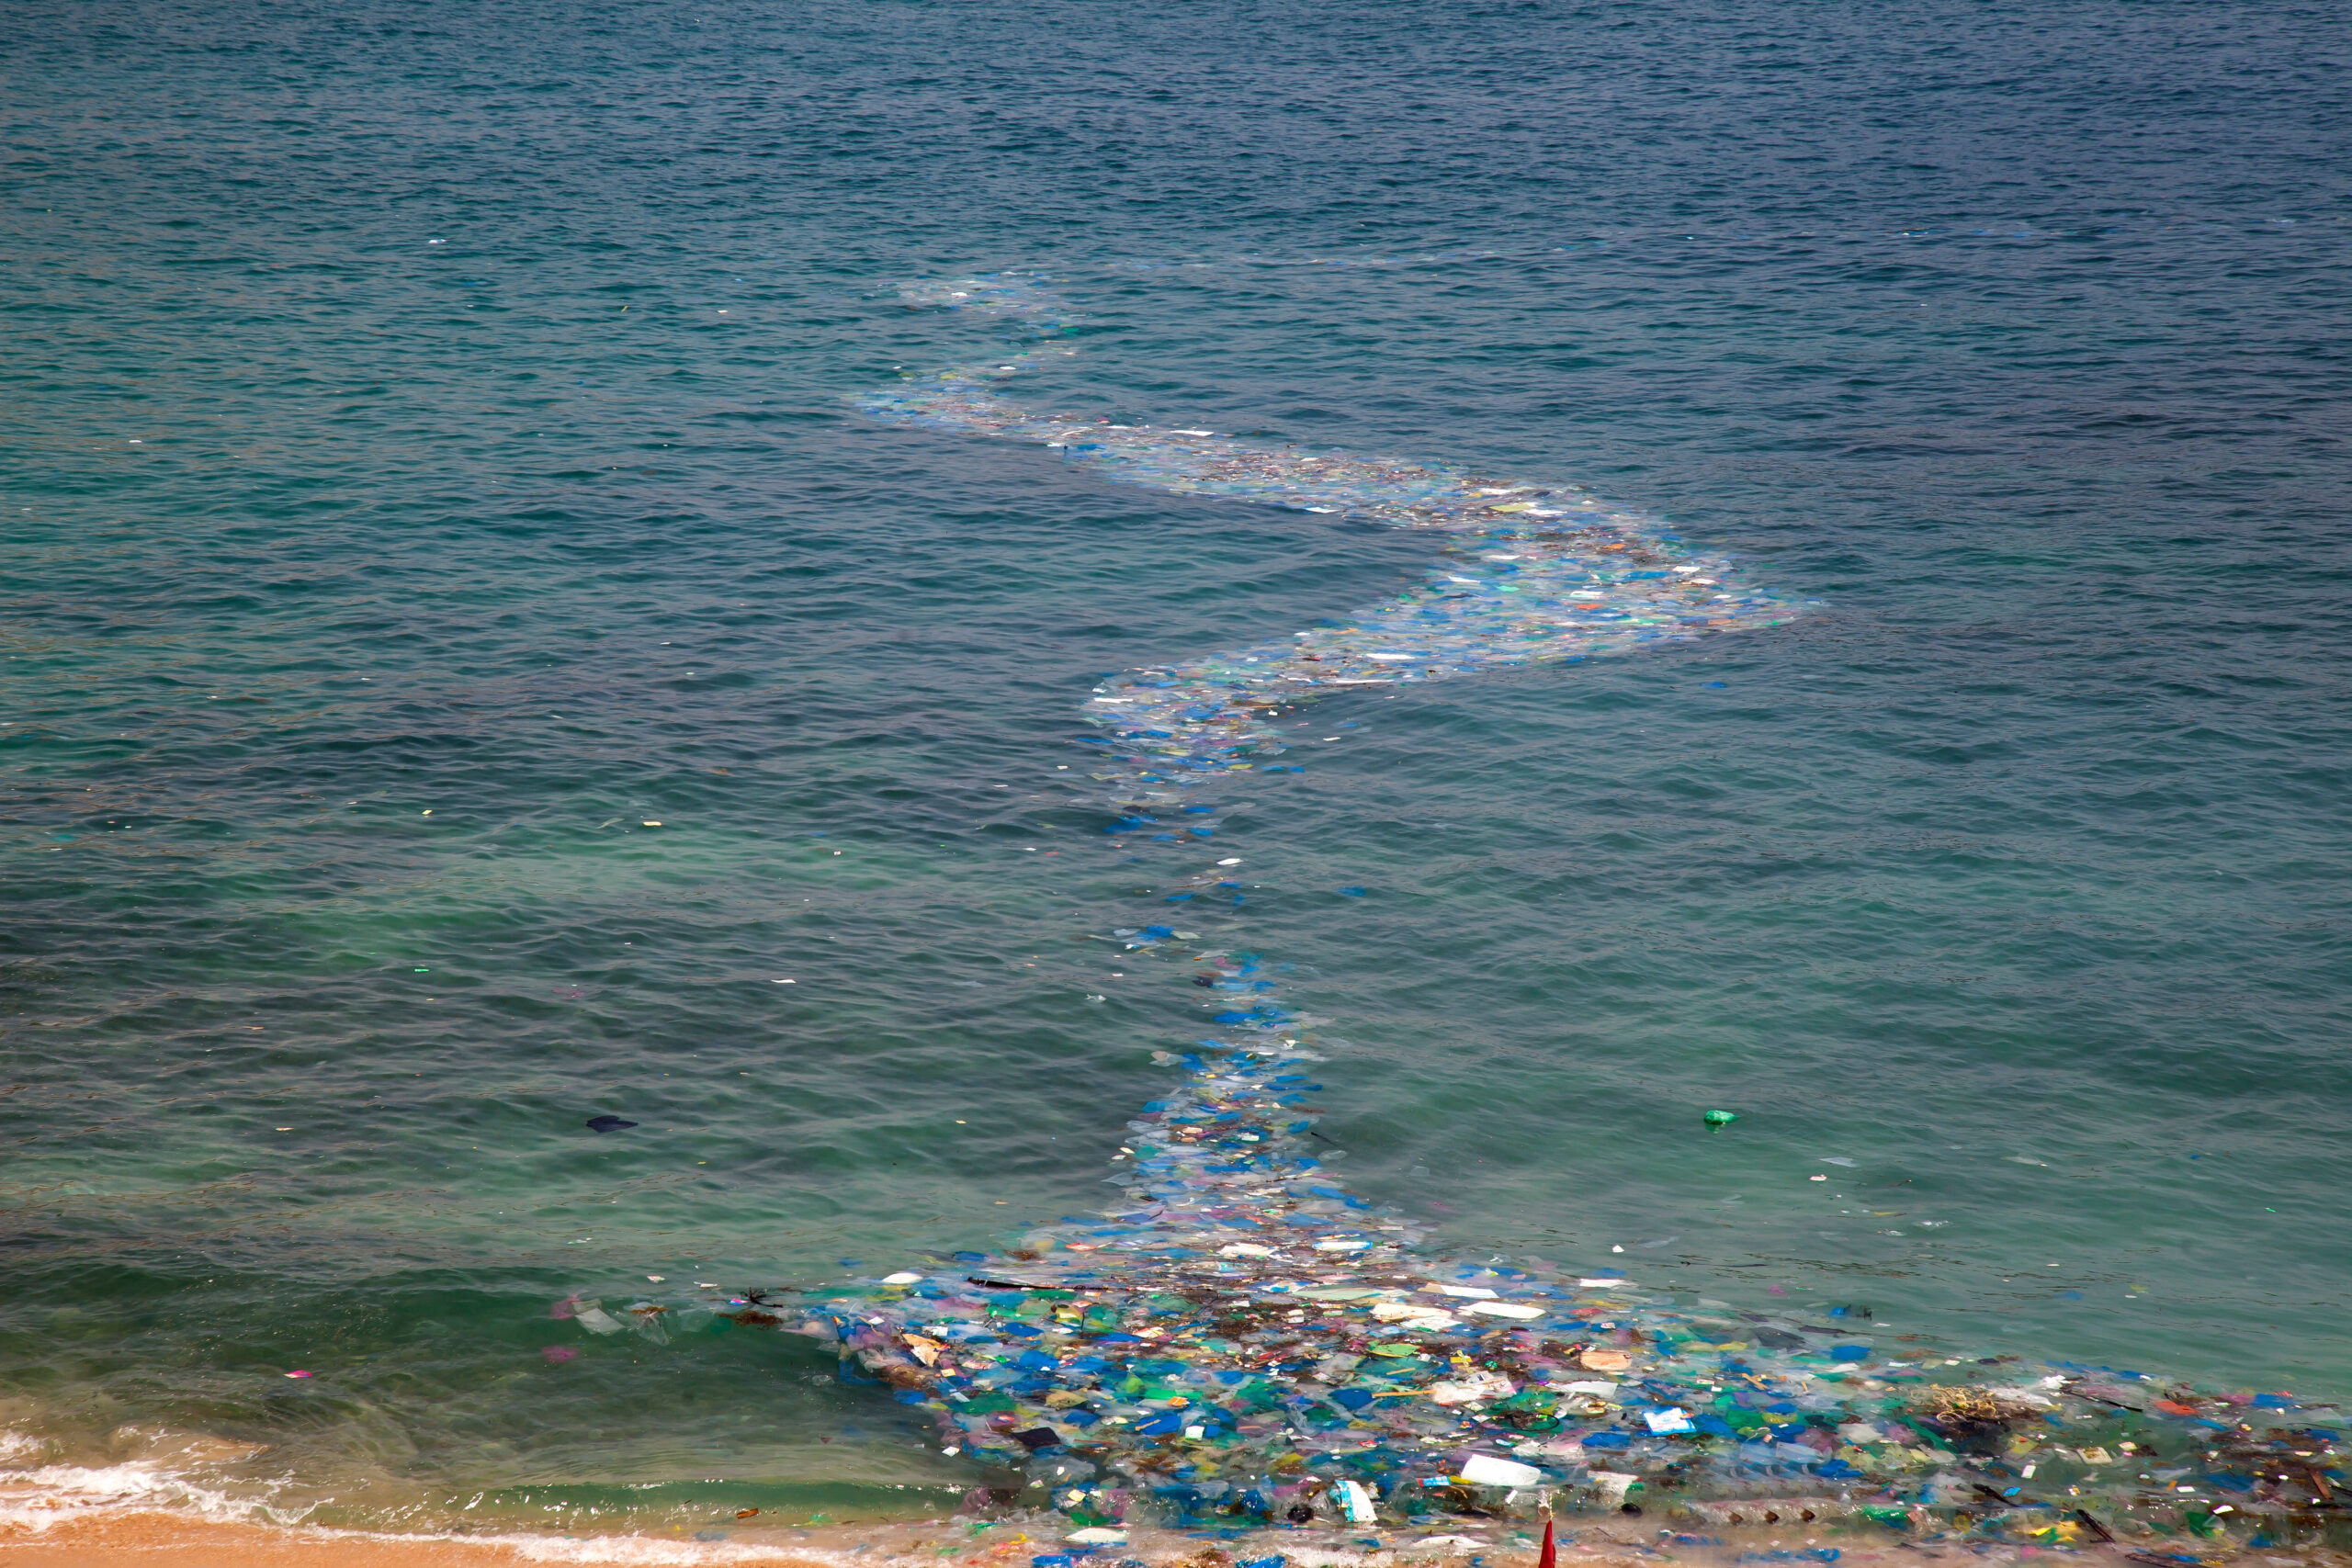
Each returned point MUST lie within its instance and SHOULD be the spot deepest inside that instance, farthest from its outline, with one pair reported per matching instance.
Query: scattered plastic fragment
(1721, 1117)
(591, 1315)
(608, 1123)
(1482, 1469)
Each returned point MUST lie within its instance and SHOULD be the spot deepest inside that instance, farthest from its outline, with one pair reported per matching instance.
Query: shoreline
(163, 1539)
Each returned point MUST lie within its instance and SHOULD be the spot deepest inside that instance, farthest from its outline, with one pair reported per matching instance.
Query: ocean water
(438, 455)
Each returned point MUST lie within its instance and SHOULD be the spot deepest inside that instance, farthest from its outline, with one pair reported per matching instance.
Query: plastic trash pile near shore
(1241, 1343)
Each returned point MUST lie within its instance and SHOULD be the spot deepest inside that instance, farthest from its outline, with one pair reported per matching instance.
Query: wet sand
(160, 1540)
(164, 1541)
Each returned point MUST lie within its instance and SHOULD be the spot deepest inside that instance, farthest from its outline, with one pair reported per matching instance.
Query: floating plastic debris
(1536, 573)
(1142, 1364)
(1239, 1342)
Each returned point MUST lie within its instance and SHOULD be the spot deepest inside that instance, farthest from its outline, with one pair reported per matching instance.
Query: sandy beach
(168, 1541)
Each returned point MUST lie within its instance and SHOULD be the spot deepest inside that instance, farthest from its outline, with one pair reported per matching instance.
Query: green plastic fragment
(1721, 1117)
(1259, 1394)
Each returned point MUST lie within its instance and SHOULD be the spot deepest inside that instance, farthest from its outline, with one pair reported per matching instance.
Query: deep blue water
(424, 409)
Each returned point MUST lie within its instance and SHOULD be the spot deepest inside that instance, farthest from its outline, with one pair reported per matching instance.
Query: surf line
(1244, 1345)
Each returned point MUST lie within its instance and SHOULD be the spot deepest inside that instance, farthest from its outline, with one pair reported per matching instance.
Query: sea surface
(467, 646)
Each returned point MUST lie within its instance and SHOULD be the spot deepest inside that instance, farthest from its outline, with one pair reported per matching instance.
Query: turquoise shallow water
(436, 455)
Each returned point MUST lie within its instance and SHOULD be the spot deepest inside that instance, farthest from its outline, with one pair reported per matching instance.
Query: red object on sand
(1551, 1558)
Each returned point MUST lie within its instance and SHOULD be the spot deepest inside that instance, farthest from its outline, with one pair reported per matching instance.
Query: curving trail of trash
(1241, 1344)
(1536, 573)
